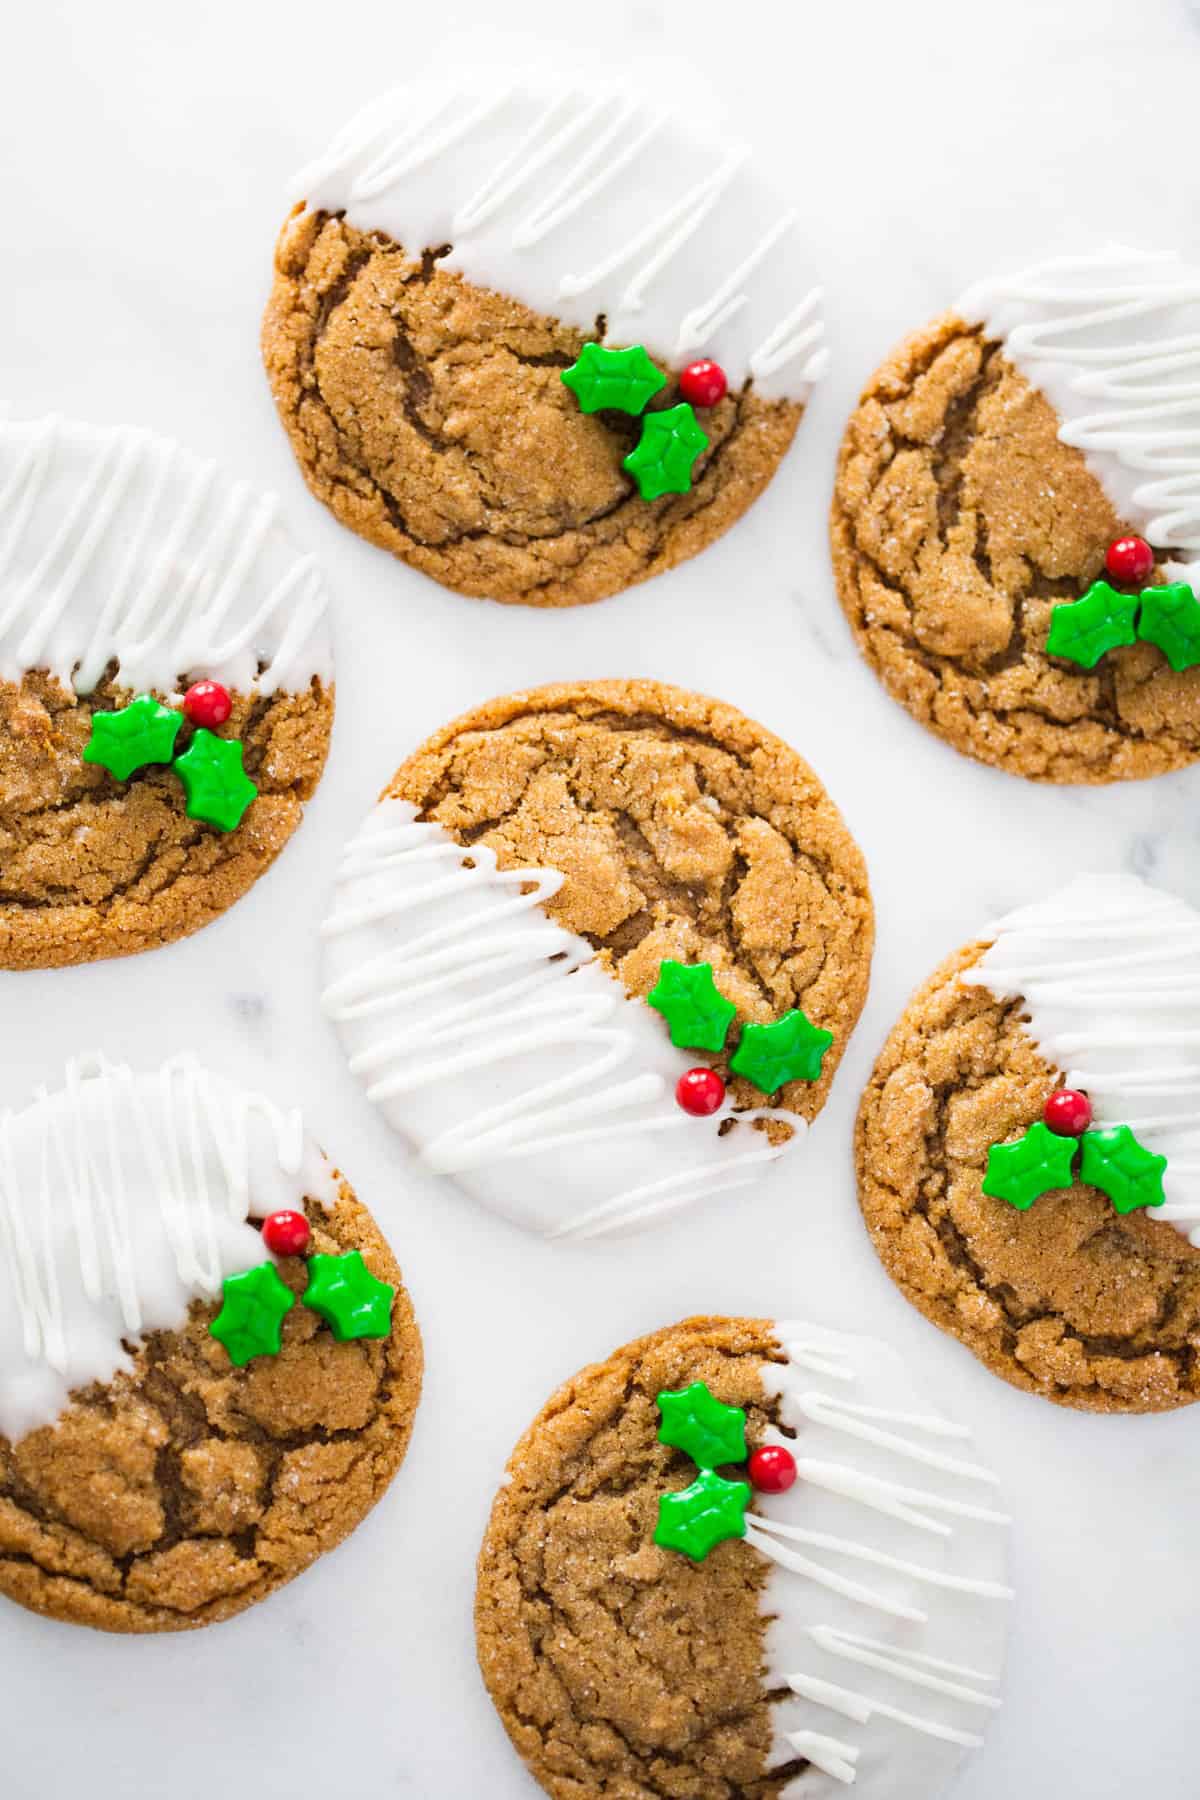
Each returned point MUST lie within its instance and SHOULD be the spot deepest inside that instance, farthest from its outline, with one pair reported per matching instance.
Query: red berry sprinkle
(703, 383)
(286, 1233)
(700, 1091)
(207, 703)
(772, 1469)
(1068, 1112)
(1130, 560)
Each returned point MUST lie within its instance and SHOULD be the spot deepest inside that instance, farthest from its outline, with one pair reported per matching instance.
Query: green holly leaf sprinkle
(1037, 1163)
(703, 1427)
(1086, 629)
(703, 1515)
(791, 1049)
(217, 787)
(1170, 618)
(670, 442)
(352, 1302)
(1115, 1162)
(140, 733)
(622, 379)
(686, 995)
(250, 1321)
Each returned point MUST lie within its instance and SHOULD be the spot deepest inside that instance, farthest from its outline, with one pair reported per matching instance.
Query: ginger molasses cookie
(541, 339)
(166, 691)
(597, 951)
(746, 1558)
(208, 1364)
(1029, 1148)
(1016, 522)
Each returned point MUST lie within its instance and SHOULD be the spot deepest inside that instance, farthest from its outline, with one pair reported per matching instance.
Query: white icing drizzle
(904, 1666)
(832, 1755)
(937, 1591)
(889, 1497)
(922, 1671)
(583, 200)
(1113, 340)
(447, 980)
(822, 1409)
(767, 1532)
(117, 545)
(123, 1197)
(1109, 971)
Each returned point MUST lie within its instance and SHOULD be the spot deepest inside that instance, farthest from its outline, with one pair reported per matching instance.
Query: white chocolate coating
(585, 201)
(498, 1045)
(1109, 970)
(887, 1593)
(123, 1198)
(1113, 341)
(117, 545)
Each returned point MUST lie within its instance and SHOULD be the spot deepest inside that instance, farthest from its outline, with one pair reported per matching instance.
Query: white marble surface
(144, 148)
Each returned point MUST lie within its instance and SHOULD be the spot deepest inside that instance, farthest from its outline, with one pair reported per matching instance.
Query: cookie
(133, 574)
(743, 1558)
(1029, 1153)
(597, 951)
(540, 339)
(987, 486)
(190, 1412)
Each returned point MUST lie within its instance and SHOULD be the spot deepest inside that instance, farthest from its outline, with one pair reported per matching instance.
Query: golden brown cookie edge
(1141, 761)
(872, 1199)
(70, 1602)
(496, 1611)
(769, 429)
(41, 936)
(732, 729)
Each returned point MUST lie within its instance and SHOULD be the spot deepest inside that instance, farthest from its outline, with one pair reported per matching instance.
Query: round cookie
(991, 462)
(1067, 1264)
(464, 245)
(634, 1641)
(166, 1457)
(130, 570)
(562, 904)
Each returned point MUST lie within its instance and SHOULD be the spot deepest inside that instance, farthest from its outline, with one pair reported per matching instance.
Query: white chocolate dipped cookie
(166, 690)
(1029, 1148)
(539, 337)
(597, 952)
(750, 1553)
(1016, 521)
(208, 1364)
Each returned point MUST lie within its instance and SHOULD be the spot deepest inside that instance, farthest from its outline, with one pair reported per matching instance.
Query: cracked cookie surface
(92, 867)
(429, 415)
(959, 521)
(1069, 1300)
(618, 1667)
(180, 1494)
(683, 830)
